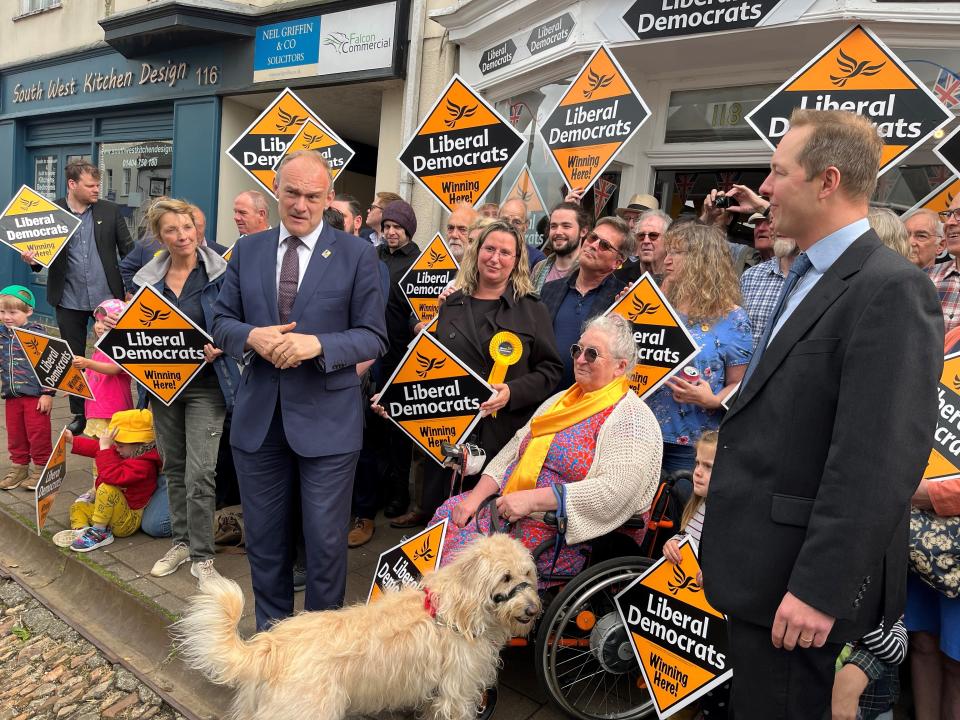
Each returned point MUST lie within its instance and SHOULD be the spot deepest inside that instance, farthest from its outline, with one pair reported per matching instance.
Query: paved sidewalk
(127, 563)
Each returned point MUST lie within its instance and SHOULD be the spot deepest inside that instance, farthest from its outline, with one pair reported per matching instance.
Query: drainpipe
(411, 88)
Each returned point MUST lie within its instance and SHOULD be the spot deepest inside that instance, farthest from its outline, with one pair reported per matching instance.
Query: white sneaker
(168, 564)
(203, 570)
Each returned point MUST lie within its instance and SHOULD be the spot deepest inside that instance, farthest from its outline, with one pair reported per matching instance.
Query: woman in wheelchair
(590, 454)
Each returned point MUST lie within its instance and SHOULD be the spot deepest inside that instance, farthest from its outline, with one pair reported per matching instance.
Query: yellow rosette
(505, 349)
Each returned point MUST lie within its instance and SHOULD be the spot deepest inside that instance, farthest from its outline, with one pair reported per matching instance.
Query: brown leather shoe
(409, 520)
(361, 533)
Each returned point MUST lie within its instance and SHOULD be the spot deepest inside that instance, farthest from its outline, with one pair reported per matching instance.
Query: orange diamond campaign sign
(525, 188)
(50, 480)
(260, 147)
(679, 639)
(461, 148)
(948, 150)
(428, 277)
(944, 462)
(940, 199)
(860, 74)
(594, 119)
(156, 344)
(318, 136)
(51, 360)
(31, 223)
(433, 396)
(663, 343)
(404, 565)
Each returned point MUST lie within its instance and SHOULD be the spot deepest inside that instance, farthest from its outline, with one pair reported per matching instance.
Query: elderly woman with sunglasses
(592, 452)
(494, 298)
(702, 286)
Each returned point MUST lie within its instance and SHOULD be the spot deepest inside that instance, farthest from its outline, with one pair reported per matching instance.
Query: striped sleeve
(890, 647)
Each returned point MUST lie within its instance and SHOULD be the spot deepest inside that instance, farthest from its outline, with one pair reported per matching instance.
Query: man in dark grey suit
(86, 272)
(302, 304)
(805, 540)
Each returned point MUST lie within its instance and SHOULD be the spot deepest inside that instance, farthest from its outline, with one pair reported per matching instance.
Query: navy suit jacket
(339, 301)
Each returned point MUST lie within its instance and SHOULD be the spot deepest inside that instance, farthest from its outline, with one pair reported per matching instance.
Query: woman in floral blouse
(702, 286)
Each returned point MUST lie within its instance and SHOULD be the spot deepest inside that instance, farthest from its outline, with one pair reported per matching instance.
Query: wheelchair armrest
(550, 518)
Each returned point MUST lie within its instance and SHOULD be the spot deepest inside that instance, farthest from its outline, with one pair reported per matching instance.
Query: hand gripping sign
(594, 119)
(461, 148)
(50, 480)
(156, 344)
(51, 360)
(663, 343)
(31, 223)
(404, 565)
(679, 639)
(433, 396)
(429, 276)
(860, 74)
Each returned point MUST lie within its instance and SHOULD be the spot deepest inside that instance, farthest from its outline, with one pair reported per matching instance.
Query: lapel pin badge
(326, 253)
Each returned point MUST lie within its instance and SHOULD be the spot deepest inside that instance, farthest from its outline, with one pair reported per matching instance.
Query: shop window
(145, 169)
(713, 114)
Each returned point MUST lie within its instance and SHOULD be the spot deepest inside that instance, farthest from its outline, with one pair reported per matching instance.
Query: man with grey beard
(761, 284)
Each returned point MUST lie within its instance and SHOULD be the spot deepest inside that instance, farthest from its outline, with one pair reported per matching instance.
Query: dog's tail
(206, 636)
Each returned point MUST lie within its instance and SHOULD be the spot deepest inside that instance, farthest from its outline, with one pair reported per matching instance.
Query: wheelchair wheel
(584, 659)
(489, 704)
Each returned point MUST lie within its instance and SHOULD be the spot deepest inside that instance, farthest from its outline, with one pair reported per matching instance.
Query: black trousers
(73, 326)
(776, 684)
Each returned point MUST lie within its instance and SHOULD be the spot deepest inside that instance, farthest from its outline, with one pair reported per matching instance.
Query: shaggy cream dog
(435, 648)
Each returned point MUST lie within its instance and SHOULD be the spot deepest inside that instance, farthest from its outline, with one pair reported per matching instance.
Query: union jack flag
(726, 180)
(937, 175)
(602, 190)
(947, 88)
(515, 109)
(684, 183)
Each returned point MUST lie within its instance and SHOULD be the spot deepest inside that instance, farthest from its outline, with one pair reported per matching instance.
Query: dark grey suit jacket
(113, 243)
(820, 453)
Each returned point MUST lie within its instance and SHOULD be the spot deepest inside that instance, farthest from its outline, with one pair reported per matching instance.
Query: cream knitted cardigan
(622, 479)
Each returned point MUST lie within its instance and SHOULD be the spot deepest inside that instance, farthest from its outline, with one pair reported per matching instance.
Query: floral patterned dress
(568, 460)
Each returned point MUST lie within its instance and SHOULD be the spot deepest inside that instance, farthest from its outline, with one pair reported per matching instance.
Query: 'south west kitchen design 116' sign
(594, 119)
(859, 74)
(461, 148)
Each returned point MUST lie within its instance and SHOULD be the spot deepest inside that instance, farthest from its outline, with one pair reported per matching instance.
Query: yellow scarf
(574, 406)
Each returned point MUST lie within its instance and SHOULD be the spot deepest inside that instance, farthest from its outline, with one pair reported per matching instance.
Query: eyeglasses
(654, 236)
(602, 244)
(491, 251)
(374, 207)
(516, 222)
(590, 354)
(945, 215)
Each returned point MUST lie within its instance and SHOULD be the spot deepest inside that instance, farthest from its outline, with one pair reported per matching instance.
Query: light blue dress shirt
(823, 254)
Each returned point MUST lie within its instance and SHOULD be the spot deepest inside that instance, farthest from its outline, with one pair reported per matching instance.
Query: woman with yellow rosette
(496, 324)
(595, 448)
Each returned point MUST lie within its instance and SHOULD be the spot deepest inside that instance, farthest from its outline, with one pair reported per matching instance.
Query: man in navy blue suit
(302, 305)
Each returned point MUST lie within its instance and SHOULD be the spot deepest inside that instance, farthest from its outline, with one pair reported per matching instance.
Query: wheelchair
(585, 662)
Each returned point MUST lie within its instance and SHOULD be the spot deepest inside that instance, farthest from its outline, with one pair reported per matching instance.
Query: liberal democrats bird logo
(435, 257)
(854, 68)
(956, 383)
(150, 315)
(458, 112)
(31, 345)
(288, 121)
(427, 364)
(641, 308)
(681, 581)
(309, 140)
(425, 552)
(27, 203)
(596, 83)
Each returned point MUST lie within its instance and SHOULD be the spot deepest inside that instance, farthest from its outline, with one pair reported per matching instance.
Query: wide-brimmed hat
(133, 426)
(638, 203)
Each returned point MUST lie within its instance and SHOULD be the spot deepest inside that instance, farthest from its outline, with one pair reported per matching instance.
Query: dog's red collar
(428, 603)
